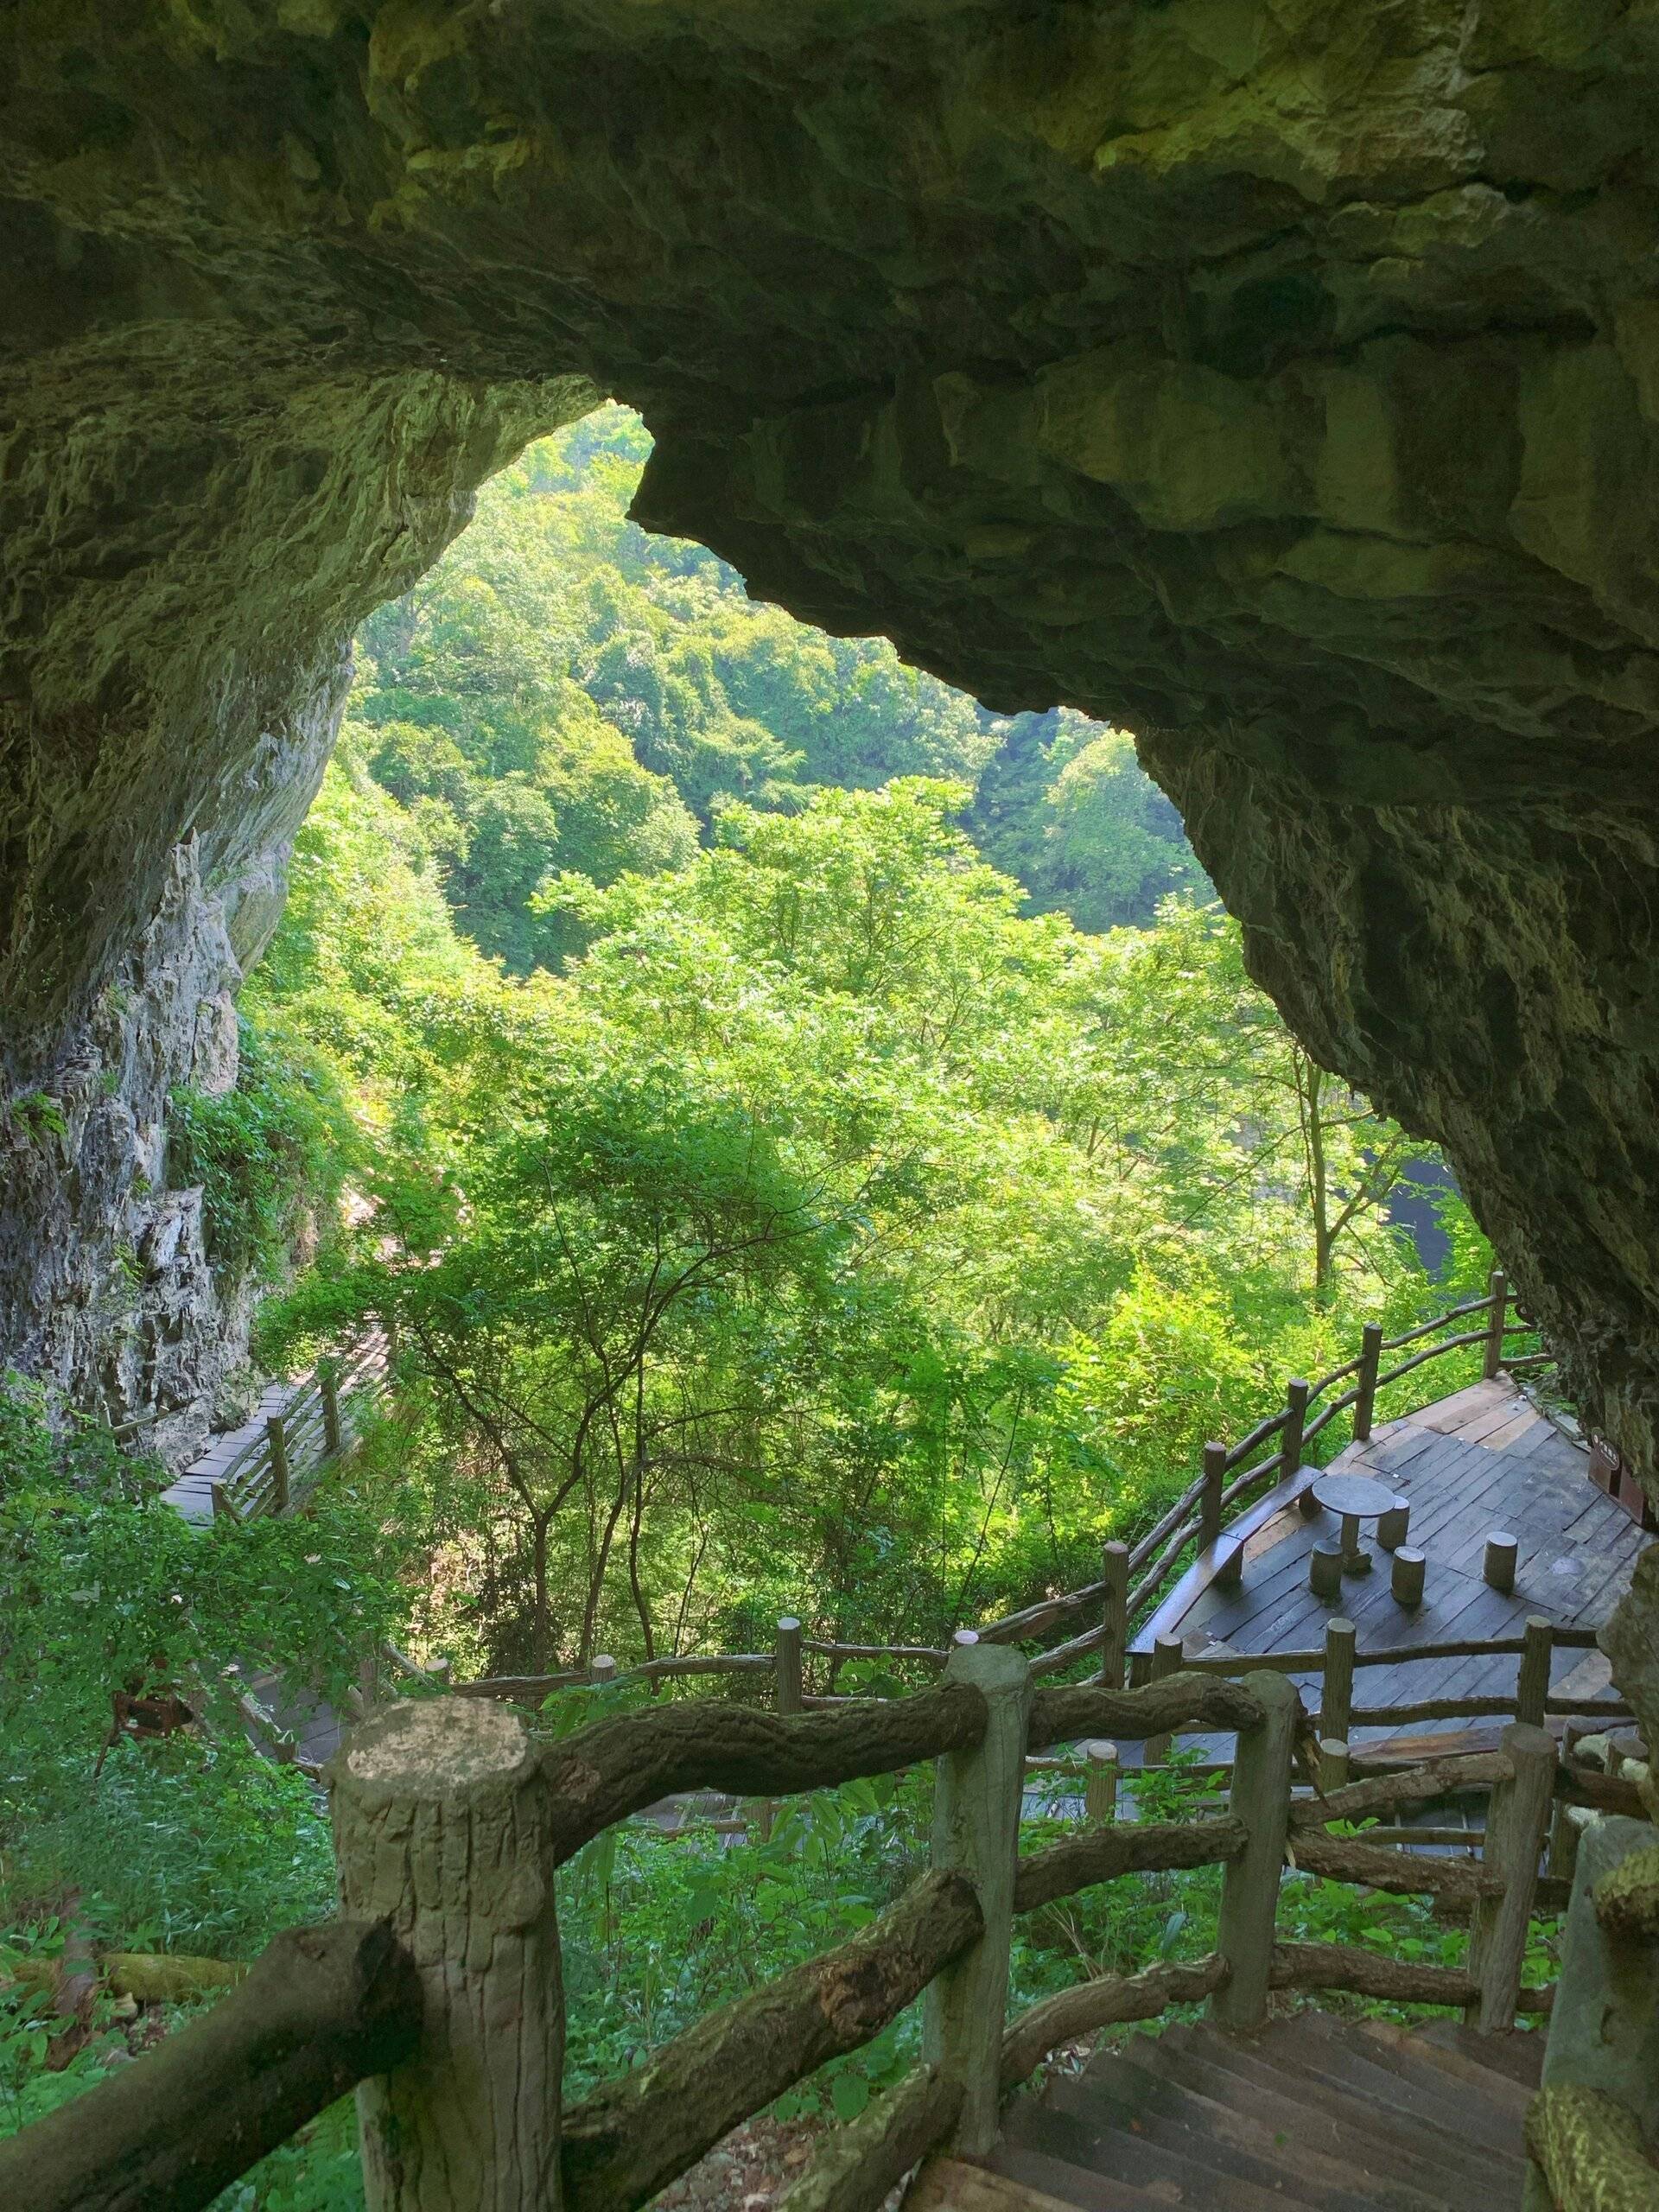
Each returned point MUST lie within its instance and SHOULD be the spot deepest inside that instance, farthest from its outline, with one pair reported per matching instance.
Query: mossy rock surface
(1281, 382)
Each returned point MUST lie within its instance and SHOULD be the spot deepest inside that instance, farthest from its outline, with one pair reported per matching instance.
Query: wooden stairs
(1315, 2112)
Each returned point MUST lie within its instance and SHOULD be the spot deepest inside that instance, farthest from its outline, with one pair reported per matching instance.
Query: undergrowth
(269, 1155)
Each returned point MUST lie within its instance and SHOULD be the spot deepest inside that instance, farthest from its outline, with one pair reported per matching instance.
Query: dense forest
(814, 1146)
(563, 695)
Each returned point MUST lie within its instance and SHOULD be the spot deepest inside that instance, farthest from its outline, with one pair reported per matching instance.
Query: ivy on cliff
(270, 1154)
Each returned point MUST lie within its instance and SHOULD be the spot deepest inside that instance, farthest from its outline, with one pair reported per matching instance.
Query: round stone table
(1357, 1499)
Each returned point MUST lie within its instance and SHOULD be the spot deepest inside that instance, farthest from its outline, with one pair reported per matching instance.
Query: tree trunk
(541, 1631)
(443, 1827)
(1319, 1196)
(322, 2007)
(596, 1581)
(639, 1603)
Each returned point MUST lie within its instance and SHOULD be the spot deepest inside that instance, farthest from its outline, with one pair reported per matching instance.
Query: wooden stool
(1499, 1566)
(1392, 1528)
(1407, 1580)
(1100, 1791)
(1325, 1572)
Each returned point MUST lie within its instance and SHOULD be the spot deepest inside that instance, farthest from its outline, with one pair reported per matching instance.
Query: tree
(831, 1232)
(563, 695)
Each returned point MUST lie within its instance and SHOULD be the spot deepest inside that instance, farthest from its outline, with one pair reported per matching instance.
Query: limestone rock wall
(1280, 380)
(107, 1288)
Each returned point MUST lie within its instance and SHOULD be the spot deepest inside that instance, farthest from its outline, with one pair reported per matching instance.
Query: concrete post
(276, 1437)
(1215, 1475)
(1371, 1359)
(1517, 1823)
(1337, 1692)
(1115, 1615)
(787, 1653)
(443, 1828)
(1532, 1682)
(1492, 1358)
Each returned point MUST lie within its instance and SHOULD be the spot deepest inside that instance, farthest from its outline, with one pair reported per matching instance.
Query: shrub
(269, 1155)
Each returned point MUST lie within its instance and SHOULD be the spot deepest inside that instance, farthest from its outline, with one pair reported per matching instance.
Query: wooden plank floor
(192, 1493)
(1471, 1465)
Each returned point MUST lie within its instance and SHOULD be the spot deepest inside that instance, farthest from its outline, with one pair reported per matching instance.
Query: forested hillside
(829, 1234)
(564, 694)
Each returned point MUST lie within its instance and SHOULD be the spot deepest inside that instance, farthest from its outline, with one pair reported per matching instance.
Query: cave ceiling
(1280, 381)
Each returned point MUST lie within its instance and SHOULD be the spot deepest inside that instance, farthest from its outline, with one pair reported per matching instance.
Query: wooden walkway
(312, 1723)
(1481, 1461)
(192, 1494)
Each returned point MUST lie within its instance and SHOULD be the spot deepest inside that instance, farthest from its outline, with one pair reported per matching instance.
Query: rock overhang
(1280, 381)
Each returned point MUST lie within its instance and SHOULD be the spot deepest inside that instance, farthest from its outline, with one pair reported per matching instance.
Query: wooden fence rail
(438, 1991)
(1089, 1716)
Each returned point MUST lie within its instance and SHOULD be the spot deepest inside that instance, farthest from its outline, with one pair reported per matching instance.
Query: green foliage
(1065, 806)
(565, 697)
(37, 1115)
(657, 1932)
(268, 1153)
(103, 1585)
(776, 1214)
(830, 1237)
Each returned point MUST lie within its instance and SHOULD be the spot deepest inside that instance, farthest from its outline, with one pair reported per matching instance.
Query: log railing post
(1371, 1359)
(328, 1385)
(1166, 1657)
(976, 1808)
(1249, 1890)
(1497, 1284)
(1337, 1690)
(1115, 1615)
(1532, 1682)
(1296, 1422)
(1604, 2025)
(1214, 1474)
(1517, 1823)
(788, 1695)
(276, 1437)
(787, 1665)
(444, 1827)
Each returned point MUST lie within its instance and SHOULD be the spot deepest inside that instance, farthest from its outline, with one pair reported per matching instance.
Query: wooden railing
(1132, 1576)
(1198, 1524)
(1333, 1722)
(274, 1469)
(438, 1992)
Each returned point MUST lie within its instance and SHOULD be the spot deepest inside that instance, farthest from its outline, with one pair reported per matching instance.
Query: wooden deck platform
(1469, 1466)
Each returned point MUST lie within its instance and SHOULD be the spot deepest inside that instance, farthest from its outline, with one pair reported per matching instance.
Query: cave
(1279, 381)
